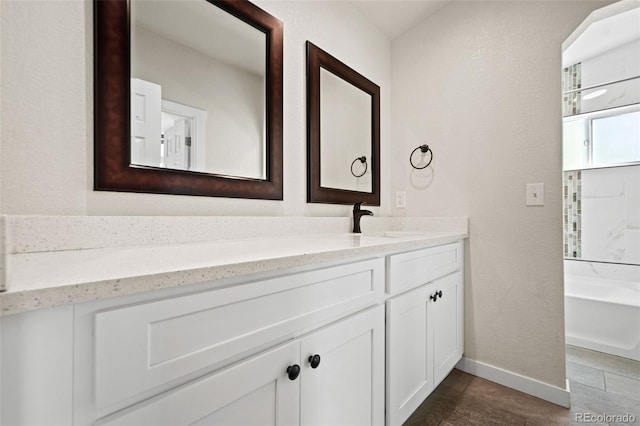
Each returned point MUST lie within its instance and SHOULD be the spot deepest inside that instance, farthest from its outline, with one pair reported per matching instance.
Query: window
(616, 139)
(601, 139)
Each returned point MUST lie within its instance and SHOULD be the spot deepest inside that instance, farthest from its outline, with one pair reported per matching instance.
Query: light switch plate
(535, 194)
(401, 200)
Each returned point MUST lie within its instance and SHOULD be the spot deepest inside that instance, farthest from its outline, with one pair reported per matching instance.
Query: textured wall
(480, 83)
(47, 82)
(45, 109)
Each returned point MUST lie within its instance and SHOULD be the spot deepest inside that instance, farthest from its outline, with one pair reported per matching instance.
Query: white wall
(45, 148)
(480, 83)
(47, 167)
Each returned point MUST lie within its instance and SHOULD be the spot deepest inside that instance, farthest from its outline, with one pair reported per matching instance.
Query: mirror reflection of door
(164, 133)
(208, 60)
(145, 122)
(176, 142)
(183, 135)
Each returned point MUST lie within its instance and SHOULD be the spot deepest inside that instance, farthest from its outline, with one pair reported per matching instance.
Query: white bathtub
(603, 315)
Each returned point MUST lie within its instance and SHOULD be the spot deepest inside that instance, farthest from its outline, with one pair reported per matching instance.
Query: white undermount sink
(393, 234)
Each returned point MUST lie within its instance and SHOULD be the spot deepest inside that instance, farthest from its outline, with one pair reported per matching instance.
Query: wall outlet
(535, 194)
(401, 199)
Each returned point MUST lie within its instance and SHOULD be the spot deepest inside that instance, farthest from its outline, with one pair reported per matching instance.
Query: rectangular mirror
(343, 132)
(188, 98)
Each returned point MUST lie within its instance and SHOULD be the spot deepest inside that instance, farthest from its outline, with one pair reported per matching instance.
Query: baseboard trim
(516, 381)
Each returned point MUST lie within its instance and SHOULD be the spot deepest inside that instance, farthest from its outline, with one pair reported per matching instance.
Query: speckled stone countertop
(55, 278)
(49, 261)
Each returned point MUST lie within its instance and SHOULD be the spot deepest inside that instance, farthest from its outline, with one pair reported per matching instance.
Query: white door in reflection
(146, 98)
(183, 137)
(165, 133)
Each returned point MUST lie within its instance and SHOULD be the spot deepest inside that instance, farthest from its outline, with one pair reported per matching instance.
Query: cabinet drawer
(412, 269)
(255, 391)
(145, 346)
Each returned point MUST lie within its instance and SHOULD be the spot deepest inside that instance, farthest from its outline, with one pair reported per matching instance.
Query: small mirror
(198, 85)
(343, 124)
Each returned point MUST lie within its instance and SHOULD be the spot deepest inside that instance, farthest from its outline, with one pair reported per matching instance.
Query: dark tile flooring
(600, 384)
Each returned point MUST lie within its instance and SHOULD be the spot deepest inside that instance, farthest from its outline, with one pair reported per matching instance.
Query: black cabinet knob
(440, 294)
(434, 296)
(293, 371)
(314, 360)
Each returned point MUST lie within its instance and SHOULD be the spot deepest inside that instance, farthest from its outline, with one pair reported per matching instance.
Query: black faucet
(357, 214)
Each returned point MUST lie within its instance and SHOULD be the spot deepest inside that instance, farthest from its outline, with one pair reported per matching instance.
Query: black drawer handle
(314, 360)
(293, 371)
(434, 296)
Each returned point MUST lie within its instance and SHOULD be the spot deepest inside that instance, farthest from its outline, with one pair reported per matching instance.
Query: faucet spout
(357, 215)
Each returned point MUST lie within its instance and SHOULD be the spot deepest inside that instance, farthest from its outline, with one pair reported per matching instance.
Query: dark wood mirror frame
(112, 128)
(317, 59)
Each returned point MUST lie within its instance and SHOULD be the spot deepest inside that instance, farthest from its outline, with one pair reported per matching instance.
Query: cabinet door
(257, 391)
(347, 386)
(448, 324)
(409, 354)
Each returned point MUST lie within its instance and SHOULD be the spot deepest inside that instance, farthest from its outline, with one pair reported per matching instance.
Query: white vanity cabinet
(342, 385)
(424, 326)
(220, 356)
(320, 344)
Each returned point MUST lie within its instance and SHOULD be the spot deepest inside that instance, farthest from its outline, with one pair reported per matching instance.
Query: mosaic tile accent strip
(572, 214)
(571, 80)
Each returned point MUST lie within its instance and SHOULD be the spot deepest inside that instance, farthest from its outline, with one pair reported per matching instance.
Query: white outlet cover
(535, 194)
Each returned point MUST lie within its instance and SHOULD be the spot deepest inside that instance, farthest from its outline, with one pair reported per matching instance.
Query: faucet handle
(356, 206)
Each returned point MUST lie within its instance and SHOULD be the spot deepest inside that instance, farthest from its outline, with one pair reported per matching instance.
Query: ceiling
(394, 17)
(603, 35)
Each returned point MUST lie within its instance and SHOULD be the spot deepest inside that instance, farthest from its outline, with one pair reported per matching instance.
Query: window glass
(616, 139)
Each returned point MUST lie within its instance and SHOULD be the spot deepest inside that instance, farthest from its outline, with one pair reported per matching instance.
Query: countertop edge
(14, 302)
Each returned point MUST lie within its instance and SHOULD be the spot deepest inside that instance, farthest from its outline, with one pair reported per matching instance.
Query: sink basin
(393, 234)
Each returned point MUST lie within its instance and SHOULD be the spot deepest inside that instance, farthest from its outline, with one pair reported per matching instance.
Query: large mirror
(343, 125)
(188, 97)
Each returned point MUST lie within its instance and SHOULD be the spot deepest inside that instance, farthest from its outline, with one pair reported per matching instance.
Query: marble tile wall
(610, 215)
(599, 270)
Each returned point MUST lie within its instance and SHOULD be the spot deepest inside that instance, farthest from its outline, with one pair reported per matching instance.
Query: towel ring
(423, 148)
(363, 160)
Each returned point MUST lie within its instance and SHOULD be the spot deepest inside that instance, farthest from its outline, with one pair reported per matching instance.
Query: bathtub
(603, 315)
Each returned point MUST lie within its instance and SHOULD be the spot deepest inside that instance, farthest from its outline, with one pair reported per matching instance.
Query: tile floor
(600, 384)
